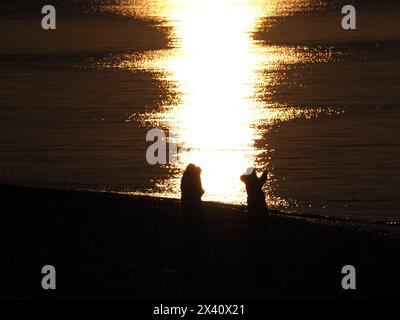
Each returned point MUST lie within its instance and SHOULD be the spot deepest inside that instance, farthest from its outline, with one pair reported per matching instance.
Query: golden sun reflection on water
(215, 72)
(219, 71)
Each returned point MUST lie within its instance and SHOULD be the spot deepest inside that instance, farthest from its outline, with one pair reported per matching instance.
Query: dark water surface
(277, 85)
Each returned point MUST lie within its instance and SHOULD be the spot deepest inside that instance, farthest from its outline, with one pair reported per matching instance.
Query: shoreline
(368, 224)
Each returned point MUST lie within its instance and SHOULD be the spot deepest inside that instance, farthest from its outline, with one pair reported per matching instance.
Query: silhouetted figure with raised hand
(257, 230)
(256, 204)
(192, 222)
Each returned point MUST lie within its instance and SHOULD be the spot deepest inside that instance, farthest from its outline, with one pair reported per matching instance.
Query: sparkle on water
(219, 73)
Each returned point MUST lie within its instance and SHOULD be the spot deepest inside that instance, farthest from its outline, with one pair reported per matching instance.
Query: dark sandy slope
(116, 246)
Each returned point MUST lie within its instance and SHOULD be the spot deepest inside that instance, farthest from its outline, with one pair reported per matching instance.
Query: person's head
(254, 184)
(191, 181)
(249, 176)
(192, 169)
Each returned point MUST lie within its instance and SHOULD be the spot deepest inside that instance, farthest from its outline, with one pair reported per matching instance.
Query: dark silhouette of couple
(193, 220)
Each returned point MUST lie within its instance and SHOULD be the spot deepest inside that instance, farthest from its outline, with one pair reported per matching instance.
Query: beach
(107, 245)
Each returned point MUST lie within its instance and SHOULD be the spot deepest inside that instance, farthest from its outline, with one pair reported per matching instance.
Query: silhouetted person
(192, 222)
(191, 187)
(256, 204)
(257, 230)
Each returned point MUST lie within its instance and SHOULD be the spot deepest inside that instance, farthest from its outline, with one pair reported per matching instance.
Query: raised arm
(263, 178)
